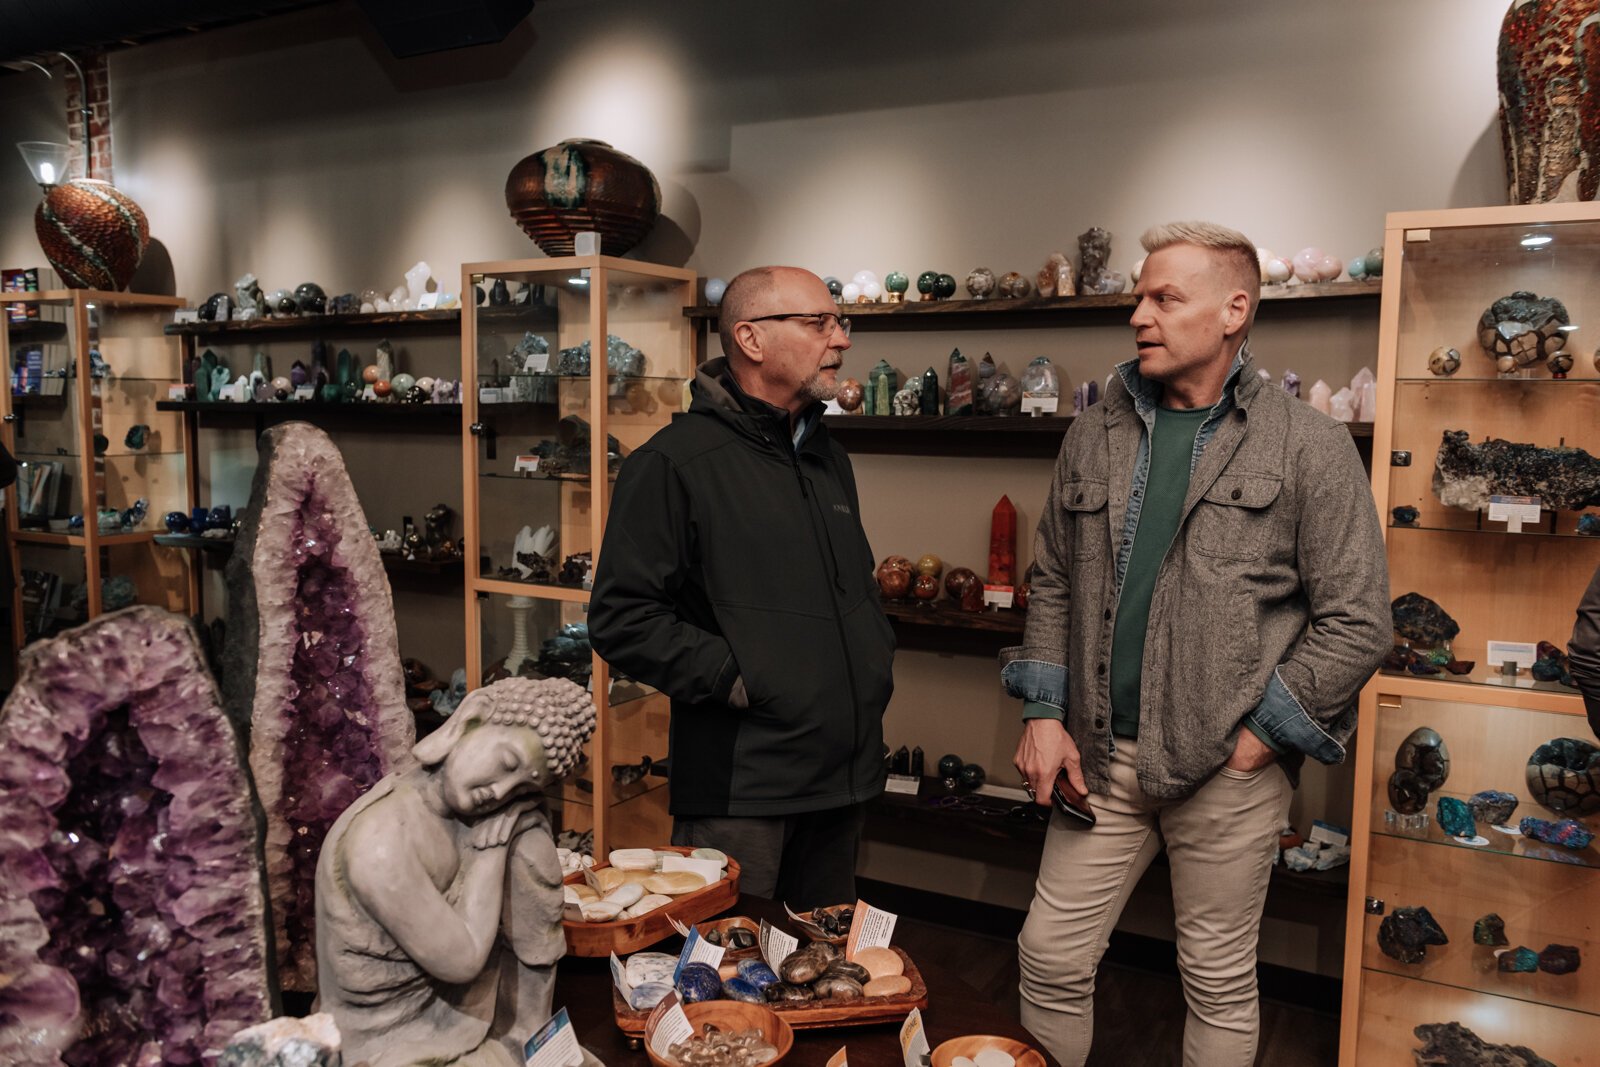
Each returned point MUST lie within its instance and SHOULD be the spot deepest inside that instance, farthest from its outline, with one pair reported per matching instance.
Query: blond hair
(1233, 248)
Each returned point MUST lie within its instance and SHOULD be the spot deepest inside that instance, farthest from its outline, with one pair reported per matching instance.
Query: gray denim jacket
(1272, 603)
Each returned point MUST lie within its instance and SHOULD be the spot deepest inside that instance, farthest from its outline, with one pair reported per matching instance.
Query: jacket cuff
(722, 688)
(1262, 735)
(1034, 709)
(1037, 680)
(1282, 722)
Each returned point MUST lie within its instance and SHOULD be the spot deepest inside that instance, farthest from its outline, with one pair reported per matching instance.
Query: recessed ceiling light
(577, 281)
(1536, 240)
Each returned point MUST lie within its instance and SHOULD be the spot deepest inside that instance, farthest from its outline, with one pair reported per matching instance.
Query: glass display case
(1487, 392)
(98, 464)
(568, 365)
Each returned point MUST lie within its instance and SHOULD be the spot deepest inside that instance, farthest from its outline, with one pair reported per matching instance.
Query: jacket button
(1108, 614)
(1101, 670)
(1099, 724)
(1078, 499)
(1236, 494)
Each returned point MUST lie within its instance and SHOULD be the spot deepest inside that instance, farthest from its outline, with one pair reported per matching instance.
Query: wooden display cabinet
(51, 428)
(1443, 269)
(520, 421)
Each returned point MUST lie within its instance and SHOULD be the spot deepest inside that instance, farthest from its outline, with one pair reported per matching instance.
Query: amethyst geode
(132, 918)
(313, 665)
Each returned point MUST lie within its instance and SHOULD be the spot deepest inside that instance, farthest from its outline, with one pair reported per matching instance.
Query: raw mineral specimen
(313, 665)
(134, 922)
(1489, 930)
(1564, 776)
(1568, 833)
(1559, 959)
(1407, 793)
(1519, 960)
(1453, 1045)
(1424, 752)
(1094, 252)
(1589, 524)
(1552, 665)
(1422, 621)
(1493, 806)
(285, 1042)
(1406, 515)
(1465, 475)
(1406, 934)
(958, 398)
(1522, 328)
(1455, 818)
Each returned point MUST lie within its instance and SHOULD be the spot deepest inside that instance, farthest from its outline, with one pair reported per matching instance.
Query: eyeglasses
(821, 321)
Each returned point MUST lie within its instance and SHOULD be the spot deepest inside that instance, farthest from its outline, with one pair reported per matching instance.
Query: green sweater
(1171, 455)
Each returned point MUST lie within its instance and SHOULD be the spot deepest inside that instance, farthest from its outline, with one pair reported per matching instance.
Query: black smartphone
(1069, 801)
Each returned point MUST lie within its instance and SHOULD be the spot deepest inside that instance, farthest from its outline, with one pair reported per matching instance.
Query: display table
(583, 987)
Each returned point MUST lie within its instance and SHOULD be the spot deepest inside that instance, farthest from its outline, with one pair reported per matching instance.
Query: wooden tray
(631, 935)
(813, 1015)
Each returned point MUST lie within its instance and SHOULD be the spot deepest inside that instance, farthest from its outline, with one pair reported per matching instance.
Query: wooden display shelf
(1035, 310)
(392, 562)
(945, 613)
(432, 417)
(447, 321)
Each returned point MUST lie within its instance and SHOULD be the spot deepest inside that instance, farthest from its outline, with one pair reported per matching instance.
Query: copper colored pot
(581, 185)
(92, 234)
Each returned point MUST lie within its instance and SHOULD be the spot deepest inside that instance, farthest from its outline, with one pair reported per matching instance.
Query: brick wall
(94, 72)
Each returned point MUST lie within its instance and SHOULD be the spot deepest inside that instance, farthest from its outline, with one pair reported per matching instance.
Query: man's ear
(1235, 313)
(749, 339)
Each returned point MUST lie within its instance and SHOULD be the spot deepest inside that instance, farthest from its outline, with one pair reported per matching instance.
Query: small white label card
(536, 363)
(526, 465)
(488, 394)
(1001, 596)
(913, 1041)
(305, 392)
(697, 949)
(668, 1025)
(776, 945)
(177, 392)
(1039, 405)
(710, 870)
(555, 1044)
(838, 1059)
(428, 301)
(1522, 653)
(186, 315)
(1323, 833)
(1514, 511)
(871, 928)
(619, 978)
(903, 783)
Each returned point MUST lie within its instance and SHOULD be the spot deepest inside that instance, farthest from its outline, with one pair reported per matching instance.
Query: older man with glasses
(736, 578)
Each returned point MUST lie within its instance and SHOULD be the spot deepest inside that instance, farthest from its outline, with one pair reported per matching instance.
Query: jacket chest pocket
(1085, 502)
(1234, 518)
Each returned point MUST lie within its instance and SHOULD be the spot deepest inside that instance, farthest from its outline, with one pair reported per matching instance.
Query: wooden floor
(1138, 1015)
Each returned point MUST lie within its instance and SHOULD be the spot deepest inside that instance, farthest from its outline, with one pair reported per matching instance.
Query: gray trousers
(806, 860)
(1219, 841)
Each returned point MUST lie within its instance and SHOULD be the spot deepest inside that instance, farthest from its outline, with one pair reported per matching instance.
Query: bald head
(752, 294)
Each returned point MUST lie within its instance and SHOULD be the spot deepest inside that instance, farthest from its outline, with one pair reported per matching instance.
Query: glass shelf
(1497, 530)
(1499, 843)
(626, 691)
(1484, 674)
(614, 379)
(1577, 378)
(531, 476)
(622, 794)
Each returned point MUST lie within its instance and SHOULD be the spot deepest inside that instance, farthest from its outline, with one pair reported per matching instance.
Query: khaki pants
(1220, 843)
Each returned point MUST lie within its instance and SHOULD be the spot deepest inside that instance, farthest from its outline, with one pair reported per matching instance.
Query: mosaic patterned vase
(1549, 112)
(93, 234)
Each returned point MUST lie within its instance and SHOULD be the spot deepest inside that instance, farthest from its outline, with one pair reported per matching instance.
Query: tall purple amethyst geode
(132, 915)
(313, 665)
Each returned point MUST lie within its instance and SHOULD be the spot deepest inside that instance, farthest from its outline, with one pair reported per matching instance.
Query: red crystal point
(1003, 544)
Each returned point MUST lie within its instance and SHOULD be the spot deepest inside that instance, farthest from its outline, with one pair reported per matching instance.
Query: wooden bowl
(736, 1015)
(972, 1044)
(623, 936)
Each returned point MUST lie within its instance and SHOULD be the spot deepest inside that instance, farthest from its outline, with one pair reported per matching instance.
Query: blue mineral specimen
(1522, 960)
(1493, 806)
(739, 989)
(1568, 833)
(1455, 818)
(699, 981)
(757, 973)
(1589, 524)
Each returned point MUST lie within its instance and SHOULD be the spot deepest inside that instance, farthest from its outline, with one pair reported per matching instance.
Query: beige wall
(837, 136)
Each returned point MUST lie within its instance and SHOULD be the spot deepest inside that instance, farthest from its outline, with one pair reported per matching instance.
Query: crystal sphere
(1306, 263)
(1357, 267)
(896, 282)
(1279, 270)
(871, 292)
(715, 287)
(864, 278)
(1329, 268)
(402, 383)
(850, 292)
(927, 281)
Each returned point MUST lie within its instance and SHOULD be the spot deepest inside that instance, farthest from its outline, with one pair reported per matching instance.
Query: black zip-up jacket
(731, 553)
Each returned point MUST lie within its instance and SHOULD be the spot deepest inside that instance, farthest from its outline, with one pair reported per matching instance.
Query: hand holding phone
(1069, 801)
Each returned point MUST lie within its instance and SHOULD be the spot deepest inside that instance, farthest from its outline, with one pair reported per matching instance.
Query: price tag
(697, 949)
(913, 1041)
(488, 395)
(776, 945)
(1514, 511)
(710, 870)
(838, 1059)
(537, 363)
(305, 392)
(555, 1044)
(908, 784)
(870, 928)
(619, 978)
(1522, 653)
(668, 1025)
(428, 301)
(177, 392)
(526, 465)
(1039, 405)
(1000, 596)
(1323, 833)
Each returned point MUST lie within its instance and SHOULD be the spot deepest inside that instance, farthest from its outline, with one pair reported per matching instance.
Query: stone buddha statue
(438, 892)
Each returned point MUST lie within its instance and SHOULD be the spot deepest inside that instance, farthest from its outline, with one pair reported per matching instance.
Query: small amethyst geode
(312, 665)
(132, 919)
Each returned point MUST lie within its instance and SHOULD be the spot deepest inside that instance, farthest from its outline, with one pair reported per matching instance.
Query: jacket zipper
(838, 622)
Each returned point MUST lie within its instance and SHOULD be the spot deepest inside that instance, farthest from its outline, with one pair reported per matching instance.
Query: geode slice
(1406, 934)
(133, 919)
(1466, 475)
(1489, 930)
(1453, 1045)
(1493, 806)
(1564, 776)
(1422, 621)
(313, 665)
